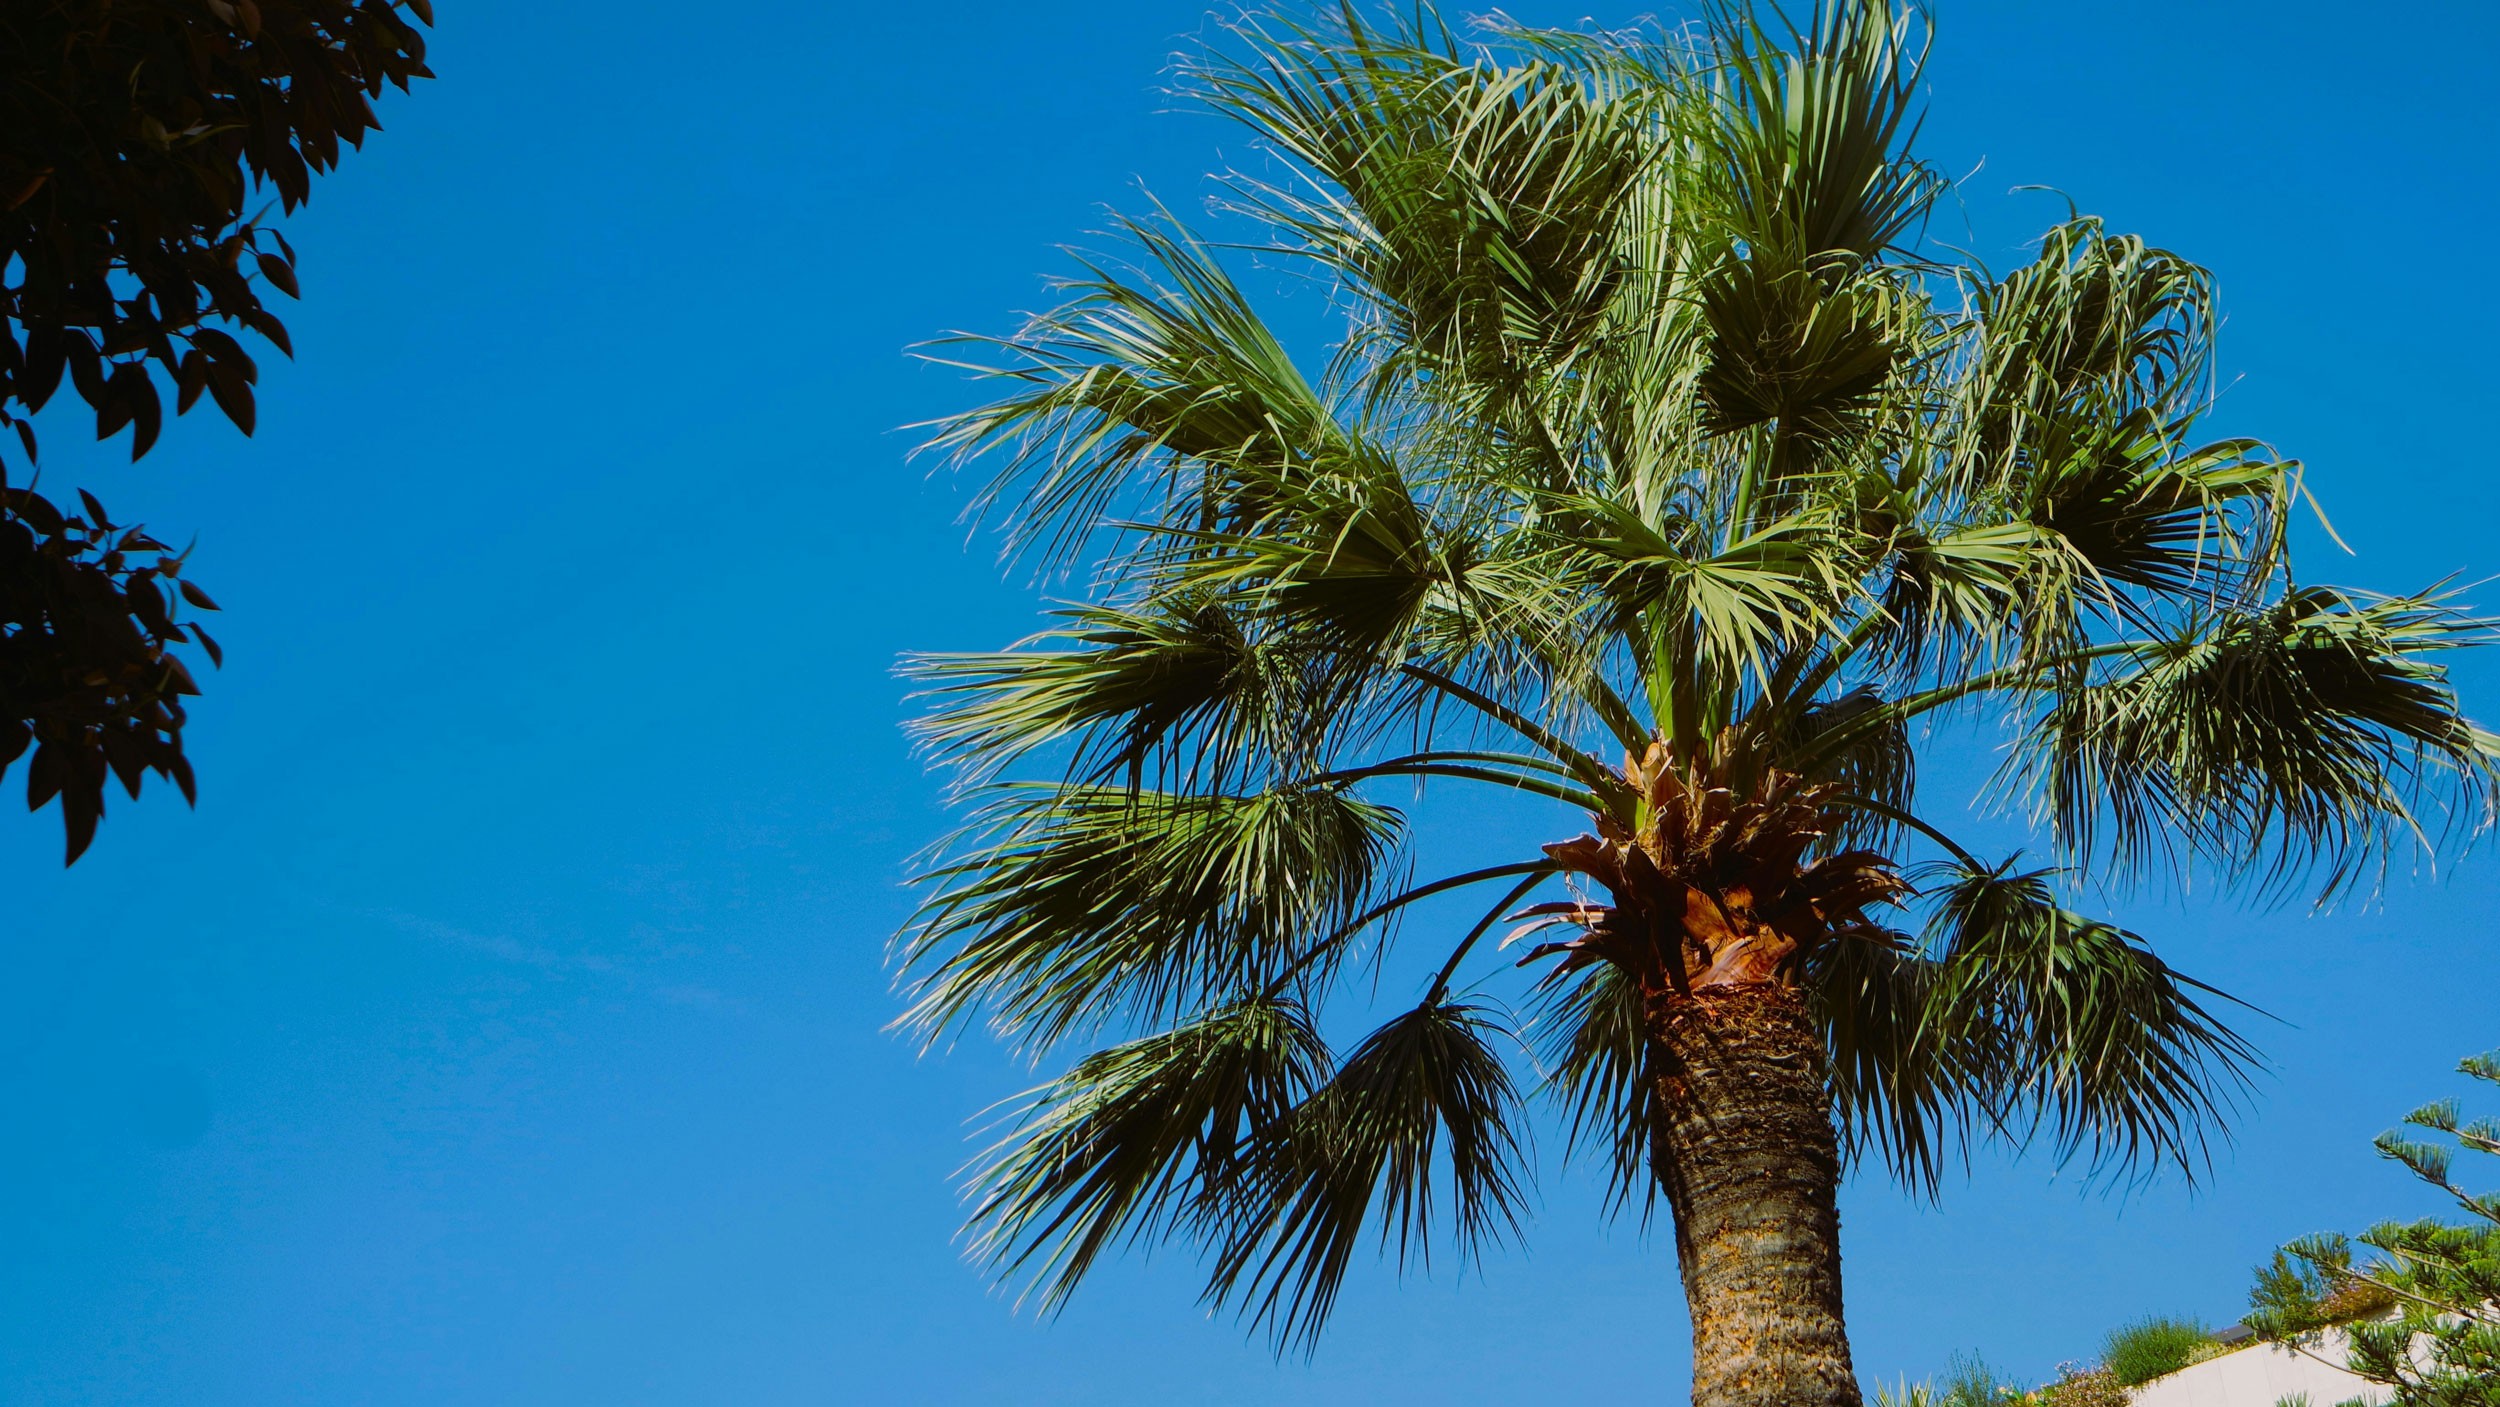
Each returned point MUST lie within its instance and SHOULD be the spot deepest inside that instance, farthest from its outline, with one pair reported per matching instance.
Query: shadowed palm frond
(1136, 1139)
(1426, 1095)
(1593, 1048)
(1900, 1095)
(2052, 1021)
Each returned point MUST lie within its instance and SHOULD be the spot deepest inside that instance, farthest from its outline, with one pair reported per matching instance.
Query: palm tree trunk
(1752, 1171)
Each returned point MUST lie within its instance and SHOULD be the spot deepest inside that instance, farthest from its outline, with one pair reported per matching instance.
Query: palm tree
(1657, 432)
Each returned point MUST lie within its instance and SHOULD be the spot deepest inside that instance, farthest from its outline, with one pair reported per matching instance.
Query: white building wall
(2262, 1375)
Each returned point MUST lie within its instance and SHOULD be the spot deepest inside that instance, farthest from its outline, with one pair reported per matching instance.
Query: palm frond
(1175, 681)
(1345, 556)
(2272, 739)
(1788, 346)
(2137, 510)
(1816, 127)
(1151, 389)
(1876, 765)
(1593, 1045)
(1740, 602)
(2096, 322)
(1474, 205)
(2071, 1027)
(1424, 1096)
(1901, 1094)
(1062, 907)
(1136, 1138)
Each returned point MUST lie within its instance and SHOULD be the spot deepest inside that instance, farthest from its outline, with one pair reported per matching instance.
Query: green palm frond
(1152, 386)
(1878, 765)
(1902, 1094)
(2095, 320)
(2050, 1020)
(1815, 131)
(2308, 730)
(1138, 1138)
(1066, 906)
(1593, 1048)
(1171, 682)
(1951, 595)
(1473, 205)
(1346, 557)
(1425, 1095)
(2136, 510)
(1789, 347)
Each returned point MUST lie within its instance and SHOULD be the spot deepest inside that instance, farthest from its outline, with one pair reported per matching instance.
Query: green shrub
(2082, 1387)
(1970, 1382)
(1908, 1394)
(2356, 1299)
(2153, 1347)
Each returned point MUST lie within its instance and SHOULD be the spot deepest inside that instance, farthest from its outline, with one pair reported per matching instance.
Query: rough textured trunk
(1752, 1171)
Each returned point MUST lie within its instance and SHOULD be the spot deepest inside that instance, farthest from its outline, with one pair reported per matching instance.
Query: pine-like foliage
(2423, 1306)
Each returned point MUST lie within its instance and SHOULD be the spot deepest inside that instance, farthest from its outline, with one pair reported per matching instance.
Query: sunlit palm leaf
(1180, 683)
(1475, 205)
(1815, 133)
(1151, 387)
(2302, 731)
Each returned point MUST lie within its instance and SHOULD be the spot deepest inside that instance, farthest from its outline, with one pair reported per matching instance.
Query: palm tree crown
(1665, 474)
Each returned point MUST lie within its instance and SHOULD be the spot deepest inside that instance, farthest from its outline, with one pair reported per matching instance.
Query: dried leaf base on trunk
(1751, 1169)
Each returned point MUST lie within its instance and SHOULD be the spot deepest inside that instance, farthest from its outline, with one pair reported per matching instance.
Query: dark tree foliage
(134, 136)
(140, 142)
(88, 677)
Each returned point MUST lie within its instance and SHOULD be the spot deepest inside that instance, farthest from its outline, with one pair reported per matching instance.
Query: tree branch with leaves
(134, 136)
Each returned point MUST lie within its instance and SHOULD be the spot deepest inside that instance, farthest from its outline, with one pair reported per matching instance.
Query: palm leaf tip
(2308, 733)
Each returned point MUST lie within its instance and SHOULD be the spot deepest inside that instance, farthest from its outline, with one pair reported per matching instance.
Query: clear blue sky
(504, 1026)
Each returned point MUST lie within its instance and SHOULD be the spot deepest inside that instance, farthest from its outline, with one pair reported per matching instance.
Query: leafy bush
(2082, 1387)
(1908, 1394)
(2356, 1299)
(1970, 1382)
(2153, 1347)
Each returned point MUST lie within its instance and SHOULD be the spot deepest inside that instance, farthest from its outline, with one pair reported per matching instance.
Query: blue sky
(504, 1025)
